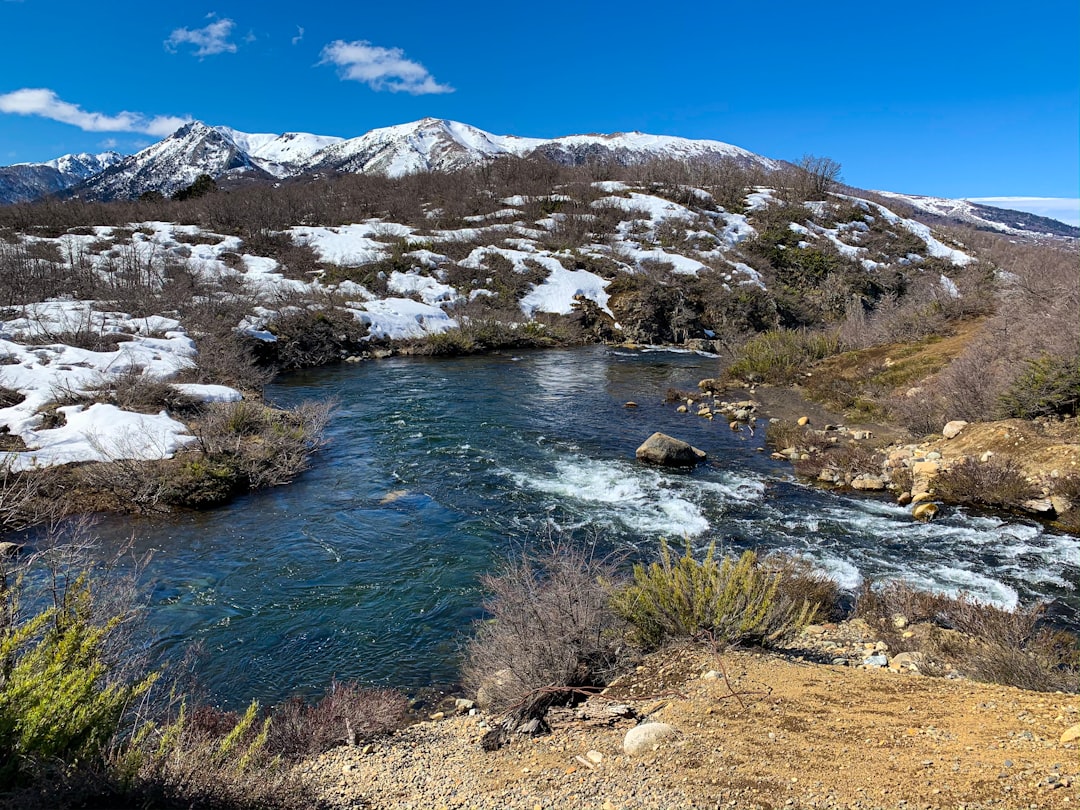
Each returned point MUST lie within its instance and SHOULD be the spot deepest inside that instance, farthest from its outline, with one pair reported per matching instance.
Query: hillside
(232, 157)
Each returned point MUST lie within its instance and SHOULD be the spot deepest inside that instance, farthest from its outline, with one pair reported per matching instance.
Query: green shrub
(732, 601)
(59, 701)
(1049, 386)
(779, 355)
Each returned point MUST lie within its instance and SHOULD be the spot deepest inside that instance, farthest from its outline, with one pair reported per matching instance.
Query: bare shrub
(345, 715)
(978, 640)
(265, 446)
(551, 631)
(133, 390)
(991, 483)
(311, 334)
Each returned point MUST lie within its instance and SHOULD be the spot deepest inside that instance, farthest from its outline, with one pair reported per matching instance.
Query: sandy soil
(775, 733)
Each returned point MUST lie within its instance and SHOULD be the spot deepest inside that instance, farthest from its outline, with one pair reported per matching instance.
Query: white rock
(647, 737)
(952, 428)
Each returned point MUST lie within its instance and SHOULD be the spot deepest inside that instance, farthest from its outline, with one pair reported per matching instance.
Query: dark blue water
(366, 567)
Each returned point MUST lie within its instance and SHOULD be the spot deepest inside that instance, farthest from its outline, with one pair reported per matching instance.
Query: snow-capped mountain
(280, 155)
(430, 144)
(434, 144)
(23, 182)
(172, 164)
(1003, 220)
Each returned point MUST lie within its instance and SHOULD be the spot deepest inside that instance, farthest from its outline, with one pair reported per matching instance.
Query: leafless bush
(133, 390)
(981, 641)
(991, 483)
(550, 627)
(345, 715)
(311, 333)
(267, 447)
(19, 498)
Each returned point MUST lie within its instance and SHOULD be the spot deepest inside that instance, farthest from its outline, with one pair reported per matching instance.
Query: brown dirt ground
(1038, 447)
(778, 733)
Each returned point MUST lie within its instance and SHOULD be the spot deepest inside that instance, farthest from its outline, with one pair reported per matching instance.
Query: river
(367, 566)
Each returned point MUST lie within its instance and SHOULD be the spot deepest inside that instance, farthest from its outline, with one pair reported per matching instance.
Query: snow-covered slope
(23, 182)
(171, 164)
(280, 155)
(429, 144)
(437, 144)
(1003, 220)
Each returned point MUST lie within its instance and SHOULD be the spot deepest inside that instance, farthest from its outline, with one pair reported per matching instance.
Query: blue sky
(947, 99)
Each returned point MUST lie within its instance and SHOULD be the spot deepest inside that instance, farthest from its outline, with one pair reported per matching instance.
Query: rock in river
(669, 452)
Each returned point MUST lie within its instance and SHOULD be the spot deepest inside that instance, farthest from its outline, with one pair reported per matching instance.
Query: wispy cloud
(381, 68)
(46, 104)
(299, 35)
(208, 41)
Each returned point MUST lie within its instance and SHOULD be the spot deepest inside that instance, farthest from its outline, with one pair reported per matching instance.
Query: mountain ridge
(427, 144)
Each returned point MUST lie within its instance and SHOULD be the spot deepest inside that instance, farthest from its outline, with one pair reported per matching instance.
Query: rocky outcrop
(668, 451)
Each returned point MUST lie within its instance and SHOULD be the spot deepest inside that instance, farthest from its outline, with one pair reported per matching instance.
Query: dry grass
(550, 629)
(978, 640)
(990, 483)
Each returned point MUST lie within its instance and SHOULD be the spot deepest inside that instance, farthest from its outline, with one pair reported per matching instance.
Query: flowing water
(367, 566)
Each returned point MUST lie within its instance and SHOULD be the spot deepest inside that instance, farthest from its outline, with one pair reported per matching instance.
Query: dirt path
(798, 735)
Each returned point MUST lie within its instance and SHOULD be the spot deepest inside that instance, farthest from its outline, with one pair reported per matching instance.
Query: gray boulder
(669, 452)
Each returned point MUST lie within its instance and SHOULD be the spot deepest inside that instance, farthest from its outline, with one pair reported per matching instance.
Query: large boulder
(647, 737)
(669, 452)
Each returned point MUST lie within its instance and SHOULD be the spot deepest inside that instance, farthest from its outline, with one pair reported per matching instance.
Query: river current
(367, 566)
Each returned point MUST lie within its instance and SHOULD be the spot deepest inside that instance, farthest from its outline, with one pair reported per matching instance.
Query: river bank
(772, 731)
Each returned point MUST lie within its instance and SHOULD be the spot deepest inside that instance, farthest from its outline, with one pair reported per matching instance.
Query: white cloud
(45, 103)
(109, 143)
(1063, 209)
(208, 41)
(299, 35)
(381, 68)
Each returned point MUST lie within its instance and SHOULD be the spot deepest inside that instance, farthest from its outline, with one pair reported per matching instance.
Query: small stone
(464, 705)
(814, 630)
(437, 716)
(803, 421)
(1071, 734)
(630, 405)
(876, 660)
(681, 409)
(594, 757)
(711, 675)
